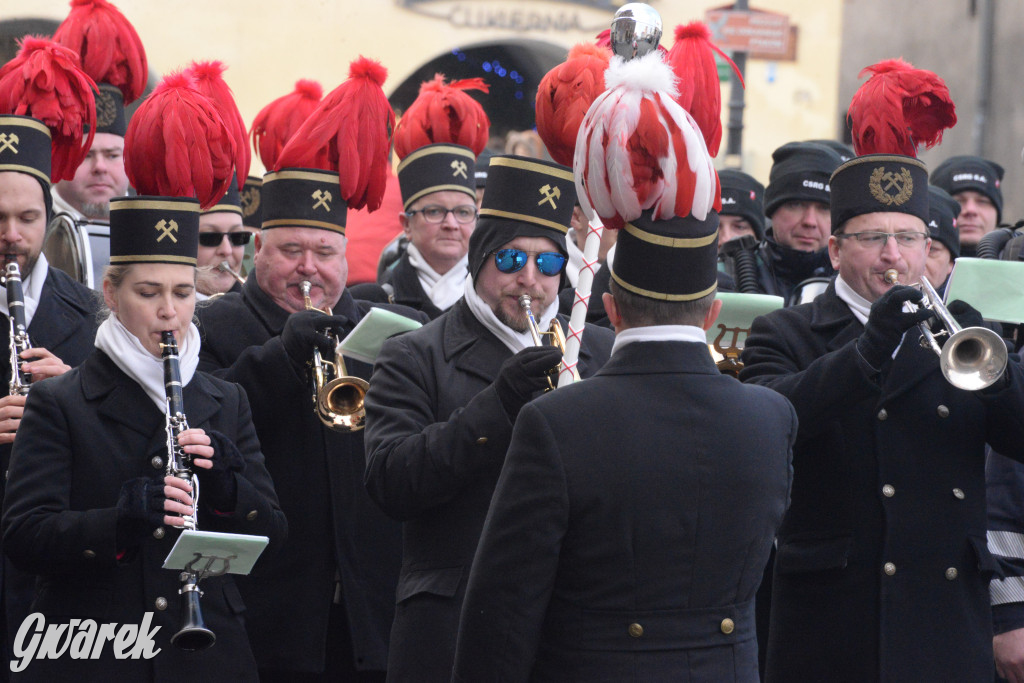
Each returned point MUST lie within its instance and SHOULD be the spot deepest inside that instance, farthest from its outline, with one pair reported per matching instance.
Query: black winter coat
(435, 441)
(83, 435)
(882, 569)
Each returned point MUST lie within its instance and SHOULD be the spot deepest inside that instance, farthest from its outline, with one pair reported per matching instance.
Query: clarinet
(19, 341)
(193, 634)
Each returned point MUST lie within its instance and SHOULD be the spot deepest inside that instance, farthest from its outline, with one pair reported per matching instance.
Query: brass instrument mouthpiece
(525, 300)
(891, 276)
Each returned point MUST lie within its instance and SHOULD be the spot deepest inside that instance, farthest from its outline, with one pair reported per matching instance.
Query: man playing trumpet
(443, 400)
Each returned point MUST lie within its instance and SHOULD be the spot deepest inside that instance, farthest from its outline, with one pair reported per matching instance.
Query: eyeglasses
(213, 239)
(436, 214)
(512, 261)
(877, 240)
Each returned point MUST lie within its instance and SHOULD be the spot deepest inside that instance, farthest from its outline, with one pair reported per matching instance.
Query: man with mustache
(443, 400)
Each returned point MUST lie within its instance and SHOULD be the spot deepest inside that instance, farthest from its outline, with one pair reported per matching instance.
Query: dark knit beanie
(942, 212)
(800, 172)
(966, 172)
(743, 196)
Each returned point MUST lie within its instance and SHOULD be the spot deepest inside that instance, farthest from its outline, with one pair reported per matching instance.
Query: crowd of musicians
(474, 503)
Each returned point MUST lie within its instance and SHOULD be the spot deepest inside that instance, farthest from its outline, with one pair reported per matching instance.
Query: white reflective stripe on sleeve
(1002, 591)
(1006, 543)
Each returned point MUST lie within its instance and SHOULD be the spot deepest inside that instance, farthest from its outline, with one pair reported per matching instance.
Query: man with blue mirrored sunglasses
(443, 399)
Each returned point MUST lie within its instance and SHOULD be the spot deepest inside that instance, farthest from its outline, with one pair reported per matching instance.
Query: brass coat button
(161, 604)
(157, 462)
(883, 414)
(251, 517)
(958, 494)
(636, 630)
(728, 626)
(951, 573)
(889, 568)
(158, 533)
(89, 554)
(481, 441)
(888, 490)
(943, 411)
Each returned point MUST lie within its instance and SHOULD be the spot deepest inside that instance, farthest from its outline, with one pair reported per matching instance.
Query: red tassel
(209, 80)
(898, 109)
(109, 47)
(564, 96)
(277, 121)
(177, 144)
(692, 57)
(444, 113)
(350, 131)
(45, 81)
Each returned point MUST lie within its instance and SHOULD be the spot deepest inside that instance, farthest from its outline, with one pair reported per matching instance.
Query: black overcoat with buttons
(436, 437)
(337, 536)
(400, 285)
(83, 435)
(882, 568)
(630, 527)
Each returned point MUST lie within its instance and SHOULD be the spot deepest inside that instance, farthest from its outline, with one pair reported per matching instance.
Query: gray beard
(96, 210)
(519, 323)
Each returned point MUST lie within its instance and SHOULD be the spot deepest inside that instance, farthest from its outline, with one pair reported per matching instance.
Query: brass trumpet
(554, 331)
(973, 357)
(338, 398)
(225, 267)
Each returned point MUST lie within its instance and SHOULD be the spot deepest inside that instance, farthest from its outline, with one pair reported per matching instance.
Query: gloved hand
(306, 330)
(965, 314)
(887, 322)
(524, 374)
(217, 486)
(140, 509)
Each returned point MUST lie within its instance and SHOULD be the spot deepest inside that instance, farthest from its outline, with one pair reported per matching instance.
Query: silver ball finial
(636, 30)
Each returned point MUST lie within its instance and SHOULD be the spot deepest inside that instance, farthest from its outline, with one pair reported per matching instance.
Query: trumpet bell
(340, 404)
(973, 358)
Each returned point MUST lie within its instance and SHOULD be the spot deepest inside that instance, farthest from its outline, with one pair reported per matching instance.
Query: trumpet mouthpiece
(891, 276)
(525, 300)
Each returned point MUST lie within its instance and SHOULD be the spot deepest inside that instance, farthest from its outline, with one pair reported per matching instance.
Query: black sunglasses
(213, 239)
(513, 260)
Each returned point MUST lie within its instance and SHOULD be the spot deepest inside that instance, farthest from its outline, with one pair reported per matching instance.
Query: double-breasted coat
(435, 441)
(630, 527)
(337, 536)
(83, 435)
(882, 569)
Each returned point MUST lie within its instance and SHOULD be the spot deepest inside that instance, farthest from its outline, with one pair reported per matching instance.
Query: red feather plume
(443, 112)
(350, 131)
(177, 144)
(109, 47)
(276, 122)
(209, 80)
(692, 58)
(46, 82)
(564, 96)
(898, 109)
(639, 150)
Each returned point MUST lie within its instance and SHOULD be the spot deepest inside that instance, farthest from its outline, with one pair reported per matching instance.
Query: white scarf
(443, 290)
(32, 288)
(652, 333)
(515, 341)
(128, 353)
(859, 306)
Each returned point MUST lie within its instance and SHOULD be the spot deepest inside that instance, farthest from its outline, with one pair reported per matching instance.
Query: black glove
(217, 486)
(887, 322)
(524, 374)
(306, 330)
(965, 314)
(140, 509)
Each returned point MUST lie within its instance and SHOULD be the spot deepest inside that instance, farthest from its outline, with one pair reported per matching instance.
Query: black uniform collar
(793, 265)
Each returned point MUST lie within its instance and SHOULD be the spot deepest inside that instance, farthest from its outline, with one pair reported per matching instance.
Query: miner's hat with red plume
(439, 137)
(180, 157)
(642, 165)
(46, 107)
(895, 111)
(209, 80)
(349, 131)
(111, 54)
